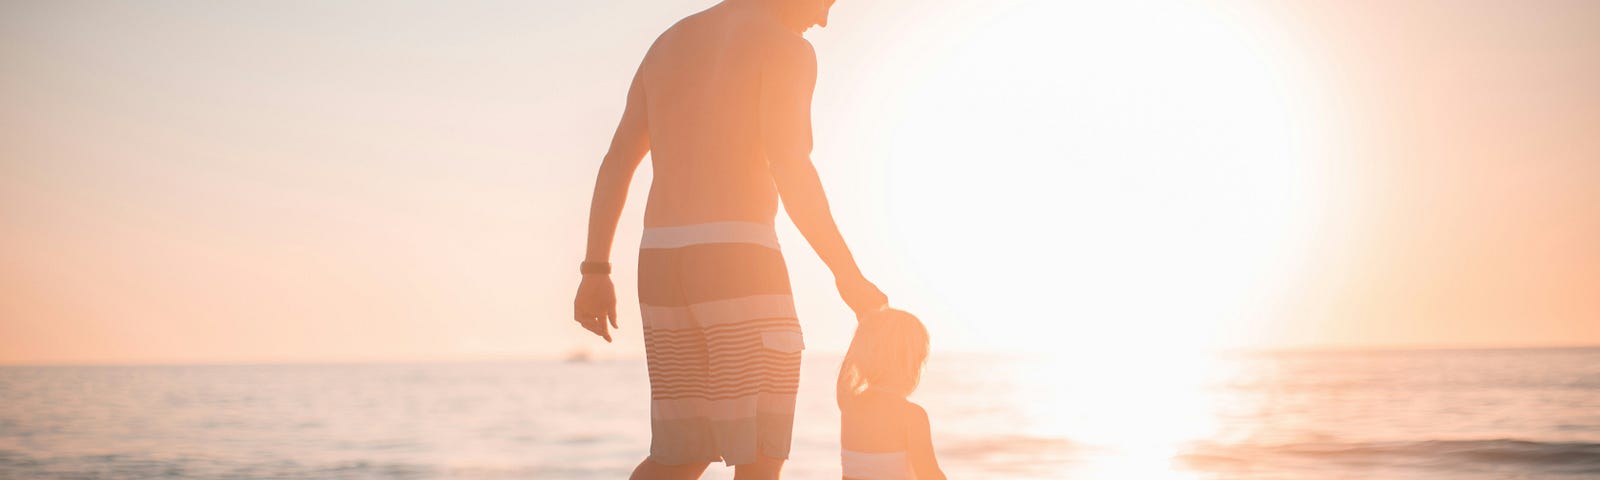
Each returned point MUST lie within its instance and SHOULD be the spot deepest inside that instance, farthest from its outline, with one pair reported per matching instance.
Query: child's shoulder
(895, 407)
(881, 423)
(914, 413)
(883, 404)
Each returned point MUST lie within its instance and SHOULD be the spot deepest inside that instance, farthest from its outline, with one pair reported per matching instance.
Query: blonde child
(884, 436)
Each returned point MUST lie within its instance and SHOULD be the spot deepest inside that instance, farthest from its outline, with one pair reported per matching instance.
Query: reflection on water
(1391, 414)
(1423, 414)
(1112, 418)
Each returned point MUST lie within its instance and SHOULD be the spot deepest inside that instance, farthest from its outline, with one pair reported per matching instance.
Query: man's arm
(628, 147)
(788, 79)
(596, 301)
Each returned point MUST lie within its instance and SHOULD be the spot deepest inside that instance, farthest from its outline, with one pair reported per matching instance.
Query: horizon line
(564, 358)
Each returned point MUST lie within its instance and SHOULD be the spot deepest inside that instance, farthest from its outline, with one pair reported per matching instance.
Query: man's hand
(596, 305)
(861, 295)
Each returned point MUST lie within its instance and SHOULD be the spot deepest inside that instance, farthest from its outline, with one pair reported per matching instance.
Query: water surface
(1463, 414)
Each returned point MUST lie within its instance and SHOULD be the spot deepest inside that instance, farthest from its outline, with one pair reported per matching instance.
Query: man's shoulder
(794, 44)
(759, 35)
(770, 38)
(791, 52)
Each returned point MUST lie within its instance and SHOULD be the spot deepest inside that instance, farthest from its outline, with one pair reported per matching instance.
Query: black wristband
(595, 268)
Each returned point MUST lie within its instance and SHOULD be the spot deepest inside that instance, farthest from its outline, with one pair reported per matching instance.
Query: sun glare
(1122, 187)
(1136, 175)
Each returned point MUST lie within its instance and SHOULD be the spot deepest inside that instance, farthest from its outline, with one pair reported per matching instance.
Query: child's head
(885, 356)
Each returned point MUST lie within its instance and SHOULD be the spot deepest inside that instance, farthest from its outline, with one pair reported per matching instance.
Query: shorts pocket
(783, 341)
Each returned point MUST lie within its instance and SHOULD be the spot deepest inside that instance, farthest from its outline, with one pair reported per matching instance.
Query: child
(885, 436)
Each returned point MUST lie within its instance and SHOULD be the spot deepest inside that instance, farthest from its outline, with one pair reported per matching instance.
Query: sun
(1087, 178)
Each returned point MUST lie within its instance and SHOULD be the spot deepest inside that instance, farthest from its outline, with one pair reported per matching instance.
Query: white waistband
(714, 232)
(877, 466)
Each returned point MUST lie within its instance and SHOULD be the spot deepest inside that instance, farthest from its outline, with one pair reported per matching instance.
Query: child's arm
(919, 444)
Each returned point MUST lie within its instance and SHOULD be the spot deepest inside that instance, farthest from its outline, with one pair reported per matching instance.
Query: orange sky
(1479, 157)
(373, 180)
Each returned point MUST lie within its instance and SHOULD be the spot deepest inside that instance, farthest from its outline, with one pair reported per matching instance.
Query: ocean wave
(1007, 445)
(1554, 457)
(142, 466)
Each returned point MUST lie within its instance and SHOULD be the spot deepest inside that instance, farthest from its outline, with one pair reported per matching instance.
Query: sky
(307, 181)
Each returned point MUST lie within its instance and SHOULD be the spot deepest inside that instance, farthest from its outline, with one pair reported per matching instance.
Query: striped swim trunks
(722, 342)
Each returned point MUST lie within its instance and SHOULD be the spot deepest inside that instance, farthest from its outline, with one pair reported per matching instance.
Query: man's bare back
(702, 85)
(703, 88)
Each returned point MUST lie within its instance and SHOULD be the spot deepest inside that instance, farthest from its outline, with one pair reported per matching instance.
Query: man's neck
(769, 8)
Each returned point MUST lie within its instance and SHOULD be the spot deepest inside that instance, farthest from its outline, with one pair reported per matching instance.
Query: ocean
(1436, 414)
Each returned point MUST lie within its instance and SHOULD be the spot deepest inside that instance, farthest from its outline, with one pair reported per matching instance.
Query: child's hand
(861, 295)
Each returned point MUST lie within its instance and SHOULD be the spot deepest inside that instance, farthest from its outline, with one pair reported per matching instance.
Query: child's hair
(886, 355)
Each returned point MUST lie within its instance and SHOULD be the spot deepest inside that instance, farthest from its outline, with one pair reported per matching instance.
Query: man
(723, 102)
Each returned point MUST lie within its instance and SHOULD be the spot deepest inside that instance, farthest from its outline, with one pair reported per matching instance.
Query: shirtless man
(723, 102)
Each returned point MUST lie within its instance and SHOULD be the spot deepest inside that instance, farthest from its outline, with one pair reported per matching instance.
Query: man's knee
(765, 468)
(652, 470)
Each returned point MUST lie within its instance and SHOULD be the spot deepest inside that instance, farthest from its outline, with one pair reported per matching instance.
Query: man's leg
(765, 468)
(650, 470)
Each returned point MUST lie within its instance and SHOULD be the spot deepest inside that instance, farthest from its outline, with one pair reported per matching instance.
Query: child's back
(873, 434)
(882, 434)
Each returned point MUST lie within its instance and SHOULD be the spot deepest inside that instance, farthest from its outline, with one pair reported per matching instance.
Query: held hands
(861, 295)
(596, 304)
